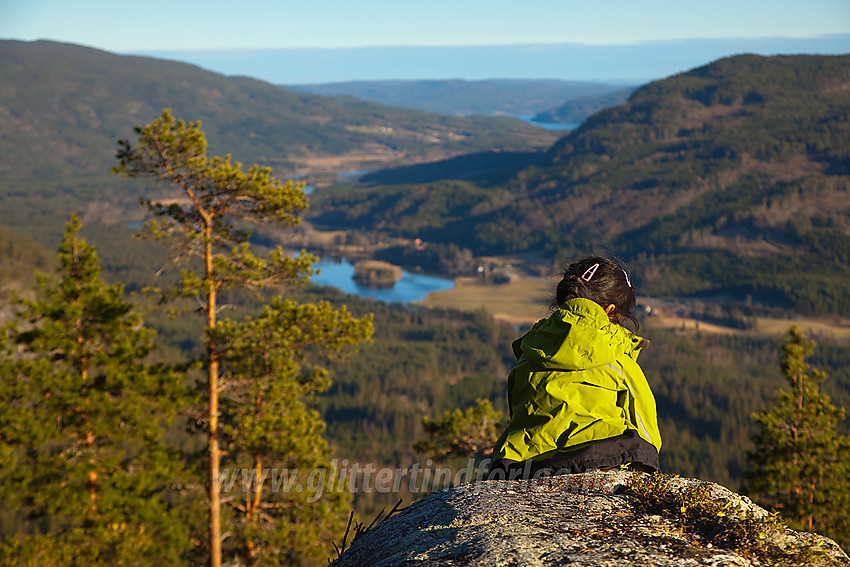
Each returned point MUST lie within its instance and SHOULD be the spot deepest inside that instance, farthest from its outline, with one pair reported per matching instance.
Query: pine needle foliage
(81, 426)
(800, 464)
(273, 367)
(467, 433)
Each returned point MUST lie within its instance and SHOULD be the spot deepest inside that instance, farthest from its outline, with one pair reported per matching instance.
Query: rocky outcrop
(594, 519)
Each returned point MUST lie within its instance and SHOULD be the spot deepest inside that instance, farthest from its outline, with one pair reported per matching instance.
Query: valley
(525, 298)
(716, 186)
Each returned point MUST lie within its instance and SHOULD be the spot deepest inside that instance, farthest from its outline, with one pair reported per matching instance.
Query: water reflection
(411, 287)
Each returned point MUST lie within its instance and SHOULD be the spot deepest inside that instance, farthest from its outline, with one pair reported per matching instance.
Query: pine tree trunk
(214, 451)
(253, 507)
(215, 458)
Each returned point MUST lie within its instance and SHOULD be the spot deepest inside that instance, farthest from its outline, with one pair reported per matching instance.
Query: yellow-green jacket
(576, 381)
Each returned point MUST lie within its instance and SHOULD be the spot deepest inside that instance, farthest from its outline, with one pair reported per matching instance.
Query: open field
(524, 301)
(838, 332)
(520, 302)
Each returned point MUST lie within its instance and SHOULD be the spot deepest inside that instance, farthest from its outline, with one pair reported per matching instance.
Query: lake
(411, 287)
(547, 125)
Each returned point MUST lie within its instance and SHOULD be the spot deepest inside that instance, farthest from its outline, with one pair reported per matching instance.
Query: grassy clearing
(521, 302)
(838, 330)
(524, 301)
(834, 331)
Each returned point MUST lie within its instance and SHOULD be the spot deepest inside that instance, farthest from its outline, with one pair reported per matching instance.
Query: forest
(422, 363)
(760, 215)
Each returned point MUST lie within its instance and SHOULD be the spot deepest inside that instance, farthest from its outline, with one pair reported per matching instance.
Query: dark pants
(625, 449)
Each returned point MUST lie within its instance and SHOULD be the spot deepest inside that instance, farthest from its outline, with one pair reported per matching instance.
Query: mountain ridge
(729, 179)
(63, 106)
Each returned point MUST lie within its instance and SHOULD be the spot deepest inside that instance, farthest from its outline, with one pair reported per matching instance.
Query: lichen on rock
(594, 519)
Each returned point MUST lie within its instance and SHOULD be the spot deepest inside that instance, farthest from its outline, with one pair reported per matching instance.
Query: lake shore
(525, 300)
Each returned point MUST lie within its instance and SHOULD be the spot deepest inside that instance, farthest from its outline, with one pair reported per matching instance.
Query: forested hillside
(63, 106)
(20, 255)
(578, 109)
(729, 179)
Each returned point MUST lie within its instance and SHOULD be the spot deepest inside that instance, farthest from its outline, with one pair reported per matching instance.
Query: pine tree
(801, 464)
(81, 455)
(202, 224)
(472, 432)
(274, 365)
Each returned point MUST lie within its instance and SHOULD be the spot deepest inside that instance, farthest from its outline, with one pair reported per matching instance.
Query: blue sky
(262, 24)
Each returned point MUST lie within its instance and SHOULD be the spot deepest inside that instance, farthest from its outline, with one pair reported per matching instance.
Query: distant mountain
(63, 106)
(457, 97)
(575, 111)
(733, 178)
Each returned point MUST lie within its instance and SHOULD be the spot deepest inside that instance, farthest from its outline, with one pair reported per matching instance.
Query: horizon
(583, 41)
(629, 64)
(160, 24)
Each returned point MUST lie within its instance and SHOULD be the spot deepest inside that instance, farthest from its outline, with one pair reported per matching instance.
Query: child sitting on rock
(578, 399)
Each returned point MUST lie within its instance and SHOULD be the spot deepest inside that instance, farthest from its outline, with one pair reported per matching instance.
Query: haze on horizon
(269, 24)
(288, 42)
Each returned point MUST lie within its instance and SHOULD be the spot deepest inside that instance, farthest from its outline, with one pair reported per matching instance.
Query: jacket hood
(577, 336)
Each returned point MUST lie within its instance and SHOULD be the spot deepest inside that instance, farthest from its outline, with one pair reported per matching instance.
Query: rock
(593, 519)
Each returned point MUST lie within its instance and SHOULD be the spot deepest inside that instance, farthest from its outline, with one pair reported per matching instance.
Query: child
(578, 399)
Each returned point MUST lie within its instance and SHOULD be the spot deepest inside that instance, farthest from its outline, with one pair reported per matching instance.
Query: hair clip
(628, 281)
(589, 272)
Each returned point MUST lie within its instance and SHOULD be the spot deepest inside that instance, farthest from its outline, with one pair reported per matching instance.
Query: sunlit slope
(732, 178)
(62, 107)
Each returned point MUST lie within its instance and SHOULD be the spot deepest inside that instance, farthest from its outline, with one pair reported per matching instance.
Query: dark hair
(600, 280)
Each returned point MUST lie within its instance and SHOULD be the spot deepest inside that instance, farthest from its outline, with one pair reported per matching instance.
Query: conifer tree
(81, 456)
(801, 464)
(205, 223)
(468, 433)
(274, 363)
